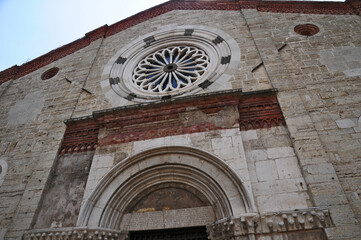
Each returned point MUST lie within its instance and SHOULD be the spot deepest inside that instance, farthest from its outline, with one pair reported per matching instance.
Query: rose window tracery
(170, 69)
(170, 62)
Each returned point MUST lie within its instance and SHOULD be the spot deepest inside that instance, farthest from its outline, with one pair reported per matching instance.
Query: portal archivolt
(192, 180)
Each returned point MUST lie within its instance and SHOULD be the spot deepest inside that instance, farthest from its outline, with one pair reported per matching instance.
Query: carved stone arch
(203, 172)
(163, 174)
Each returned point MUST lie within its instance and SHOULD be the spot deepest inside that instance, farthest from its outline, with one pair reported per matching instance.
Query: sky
(31, 28)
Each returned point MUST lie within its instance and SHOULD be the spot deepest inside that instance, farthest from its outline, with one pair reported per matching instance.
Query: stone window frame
(293, 34)
(221, 48)
(50, 73)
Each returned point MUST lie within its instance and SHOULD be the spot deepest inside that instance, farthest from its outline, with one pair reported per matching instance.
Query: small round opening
(49, 73)
(306, 29)
(170, 67)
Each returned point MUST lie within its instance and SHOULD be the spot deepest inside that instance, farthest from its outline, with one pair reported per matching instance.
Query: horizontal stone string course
(348, 7)
(75, 233)
(288, 221)
(252, 223)
(200, 114)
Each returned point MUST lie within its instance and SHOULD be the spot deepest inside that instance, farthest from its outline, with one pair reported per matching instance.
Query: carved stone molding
(75, 233)
(80, 137)
(230, 228)
(170, 62)
(259, 112)
(185, 115)
(287, 221)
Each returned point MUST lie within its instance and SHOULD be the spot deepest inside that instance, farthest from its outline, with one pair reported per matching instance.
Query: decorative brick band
(185, 115)
(80, 137)
(348, 7)
(334, 8)
(167, 119)
(19, 71)
(167, 7)
(259, 112)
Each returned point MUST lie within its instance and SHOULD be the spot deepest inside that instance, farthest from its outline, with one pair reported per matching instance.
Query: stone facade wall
(313, 161)
(264, 159)
(231, 22)
(227, 144)
(62, 198)
(32, 112)
(326, 69)
(275, 175)
(312, 106)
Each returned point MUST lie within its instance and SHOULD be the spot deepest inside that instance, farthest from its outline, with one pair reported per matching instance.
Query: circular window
(306, 29)
(49, 73)
(170, 69)
(171, 62)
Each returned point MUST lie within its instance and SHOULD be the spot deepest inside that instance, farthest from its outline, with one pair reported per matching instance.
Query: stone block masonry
(298, 149)
(63, 196)
(29, 140)
(315, 97)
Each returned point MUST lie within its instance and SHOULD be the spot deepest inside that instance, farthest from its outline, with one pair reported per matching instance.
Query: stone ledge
(285, 221)
(246, 224)
(199, 113)
(72, 233)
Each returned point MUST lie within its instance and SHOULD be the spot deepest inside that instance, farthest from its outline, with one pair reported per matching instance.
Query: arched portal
(196, 179)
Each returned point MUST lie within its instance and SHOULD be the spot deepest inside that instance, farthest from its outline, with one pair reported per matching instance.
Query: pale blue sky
(31, 28)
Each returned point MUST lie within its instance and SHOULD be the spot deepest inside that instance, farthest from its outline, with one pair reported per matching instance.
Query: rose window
(170, 69)
(171, 62)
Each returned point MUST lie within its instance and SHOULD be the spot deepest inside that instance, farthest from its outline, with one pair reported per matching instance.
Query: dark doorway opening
(194, 233)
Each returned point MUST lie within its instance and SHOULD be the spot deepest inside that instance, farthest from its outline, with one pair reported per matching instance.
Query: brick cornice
(348, 7)
(200, 113)
(334, 8)
(167, 7)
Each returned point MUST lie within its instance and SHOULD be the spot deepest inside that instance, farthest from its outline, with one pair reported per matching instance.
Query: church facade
(190, 120)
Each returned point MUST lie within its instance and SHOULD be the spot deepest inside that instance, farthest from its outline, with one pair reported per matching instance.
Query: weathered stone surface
(313, 161)
(328, 108)
(345, 123)
(75, 233)
(31, 141)
(27, 109)
(169, 219)
(343, 59)
(292, 223)
(63, 196)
